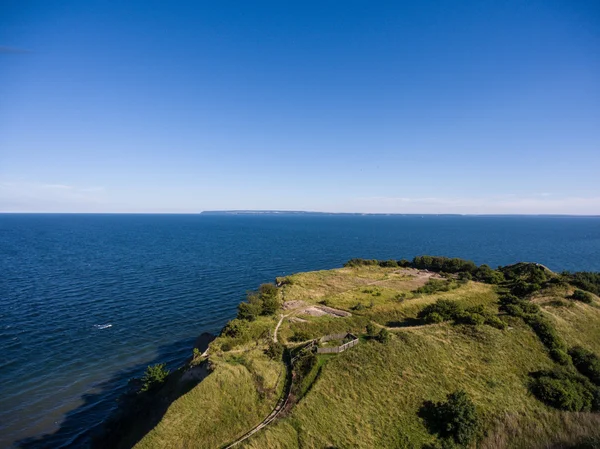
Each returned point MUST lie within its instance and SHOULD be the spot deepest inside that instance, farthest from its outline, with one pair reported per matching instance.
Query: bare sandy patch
(293, 305)
(324, 310)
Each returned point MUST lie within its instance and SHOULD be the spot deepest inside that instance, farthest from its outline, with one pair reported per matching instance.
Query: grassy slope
(242, 389)
(369, 396)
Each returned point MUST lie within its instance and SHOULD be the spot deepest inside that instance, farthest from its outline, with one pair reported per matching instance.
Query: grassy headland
(516, 348)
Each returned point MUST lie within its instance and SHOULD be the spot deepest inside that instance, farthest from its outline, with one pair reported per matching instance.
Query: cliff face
(372, 395)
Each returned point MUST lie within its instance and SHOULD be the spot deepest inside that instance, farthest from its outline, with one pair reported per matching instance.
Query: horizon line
(299, 212)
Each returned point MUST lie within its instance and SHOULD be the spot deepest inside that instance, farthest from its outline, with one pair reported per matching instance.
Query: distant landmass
(302, 212)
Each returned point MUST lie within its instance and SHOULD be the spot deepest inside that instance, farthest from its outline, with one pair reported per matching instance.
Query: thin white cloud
(544, 203)
(49, 197)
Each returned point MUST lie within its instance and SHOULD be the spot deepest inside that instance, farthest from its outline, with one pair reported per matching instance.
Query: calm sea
(88, 301)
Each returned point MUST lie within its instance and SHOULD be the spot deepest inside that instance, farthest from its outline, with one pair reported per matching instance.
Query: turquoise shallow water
(161, 280)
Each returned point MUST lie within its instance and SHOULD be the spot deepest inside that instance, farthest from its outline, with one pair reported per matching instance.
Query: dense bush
(388, 263)
(405, 263)
(560, 357)
(585, 280)
(580, 295)
(455, 419)
(436, 285)
(305, 362)
(496, 322)
(361, 262)
(445, 264)
(465, 317)
(464, 276)
(154, 376)
(587, 363)
(478, 315)
(301, 335)
(523, 288)
(383, 336)
(565, 391)
(486, 274)
(263, 302)
(250, 310)
(235, 329)
(546, 332)
(274, 350)
(443, 308)
(371, 330)
(515, 306)
(531, 273)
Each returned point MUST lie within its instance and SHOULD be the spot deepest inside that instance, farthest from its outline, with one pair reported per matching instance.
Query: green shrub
(514, 310)
(474, 319)
(448, 310)
(270, 305)
(530, 273)
(546, 332)
(496, 322)
(515, 306)
(196, 353)
(523, 288)
(589, 281)
(358, 307)
(227, 346)
(361, 262)
(388, 263)
(249, 310)
(465, 276)
(563, 390)
(404, 263)
(560, 356)
(433, 318)
(456, 419)
(274, 350)
(435, 285)
(371, 330)
(445, 264)
(580, 295)
(486, 274)
(383, 336)
(154, 376)
(267, 291)
(301, 335)
(263, 302)
(235, 329)
(587, 363)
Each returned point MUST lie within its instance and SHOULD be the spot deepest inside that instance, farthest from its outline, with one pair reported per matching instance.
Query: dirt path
(278, 325)
(283, 400)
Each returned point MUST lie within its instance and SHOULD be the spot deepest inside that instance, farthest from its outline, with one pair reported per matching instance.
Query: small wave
(102, 326)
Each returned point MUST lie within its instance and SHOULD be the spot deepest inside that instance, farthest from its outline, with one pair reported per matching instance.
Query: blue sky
(409, 107)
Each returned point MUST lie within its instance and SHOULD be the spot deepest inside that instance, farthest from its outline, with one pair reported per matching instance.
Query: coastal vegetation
(451, 354)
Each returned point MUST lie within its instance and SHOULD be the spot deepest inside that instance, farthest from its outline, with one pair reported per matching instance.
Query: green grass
(369, 395)
(240, 392)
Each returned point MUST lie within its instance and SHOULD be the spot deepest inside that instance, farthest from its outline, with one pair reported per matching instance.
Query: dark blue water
(161, 280)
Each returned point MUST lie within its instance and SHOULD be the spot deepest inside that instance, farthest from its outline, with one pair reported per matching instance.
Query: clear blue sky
(426, 107)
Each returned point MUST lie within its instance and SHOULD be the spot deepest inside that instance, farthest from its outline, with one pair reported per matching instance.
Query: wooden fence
(337, 349)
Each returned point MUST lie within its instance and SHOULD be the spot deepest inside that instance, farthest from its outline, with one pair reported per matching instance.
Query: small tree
(270, 305)
(383, 336)
(580, 295)
(455, 419)
(371, 330)
(267, 290)
(274, 350)
(154, 376)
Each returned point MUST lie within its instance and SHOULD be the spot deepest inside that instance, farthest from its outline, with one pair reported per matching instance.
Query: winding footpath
(283, 400)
